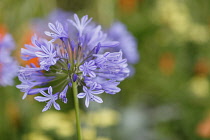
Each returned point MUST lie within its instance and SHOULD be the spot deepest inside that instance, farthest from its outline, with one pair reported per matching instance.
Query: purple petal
(81, 95)
(44, 93)
(92, 67)
(59, 26)
(81, 68)
(91, 62)
(73, 23)
(24, 96)
(41, 99)
(110, 44)
(84, 73)
(36, 90)
(87, 21)
(97, 92)
(85, 89)
(98, 99)
(84, 18)
(76, 19)
(52, 27)
(98, 47)
(41, 54)
(49, 104)
(45, 49)
(48, 33)
(92, 74)
(87, 101)
(72, 43)
(57, 106)
(50, 90)
(93, 86)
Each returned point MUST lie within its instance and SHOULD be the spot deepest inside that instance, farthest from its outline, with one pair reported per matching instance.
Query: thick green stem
(76, 105)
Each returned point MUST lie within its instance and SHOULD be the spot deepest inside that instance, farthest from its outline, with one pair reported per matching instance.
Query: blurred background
(167, 98)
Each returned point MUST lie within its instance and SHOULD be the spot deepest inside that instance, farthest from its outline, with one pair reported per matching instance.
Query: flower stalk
(76, 105)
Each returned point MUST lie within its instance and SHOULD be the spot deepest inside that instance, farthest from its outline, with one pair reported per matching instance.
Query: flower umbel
(77, 57)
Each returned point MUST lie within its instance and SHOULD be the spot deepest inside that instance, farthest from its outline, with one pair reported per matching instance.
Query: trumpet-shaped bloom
(89, 94)
(58, 30)
(8, 66)
(87, 68)
(80, 25)
(50, 98)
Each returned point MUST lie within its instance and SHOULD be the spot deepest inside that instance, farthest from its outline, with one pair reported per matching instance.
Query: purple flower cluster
(8, 66)
(76, 53)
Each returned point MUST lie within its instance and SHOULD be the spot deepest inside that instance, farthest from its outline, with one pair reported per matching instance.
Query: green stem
(76, 104)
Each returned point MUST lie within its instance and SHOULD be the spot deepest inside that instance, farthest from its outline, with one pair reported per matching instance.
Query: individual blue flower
(89, 94)
(7, 42)
(48, 56)
(112, 66)
(63, 94)
(50, 97)
(80, 25)
(8, 66)
(58, 30)
(29, 51)
(31, 77)
(87, 68)
(111, 87)
(128, 43)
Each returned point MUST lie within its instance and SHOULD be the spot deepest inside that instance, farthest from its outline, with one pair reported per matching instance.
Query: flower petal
(41, 99)
(85, 89)
(97, 99)
(50, 90)
(49, 104)
(43, 93)
(41, 54)
(87, 101)
(97, 92)
(92, 74)
(56, 105)
(24, 96)
(81, 95)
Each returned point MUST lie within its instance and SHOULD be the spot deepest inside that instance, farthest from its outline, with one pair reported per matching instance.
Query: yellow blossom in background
(104, 118)
(199, 85)
(50, 120)
(65, 128)
(176, 16)
(35, 136)
(89, 133)
(57, 121)
(103, 138)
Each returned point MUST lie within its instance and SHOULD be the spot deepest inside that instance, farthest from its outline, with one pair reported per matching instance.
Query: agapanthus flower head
(8, 66)
(73, 55)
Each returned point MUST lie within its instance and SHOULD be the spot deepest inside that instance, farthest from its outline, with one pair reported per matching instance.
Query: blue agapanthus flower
(50, 98)
(128, 43)
(75, 53)
(8, 66)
